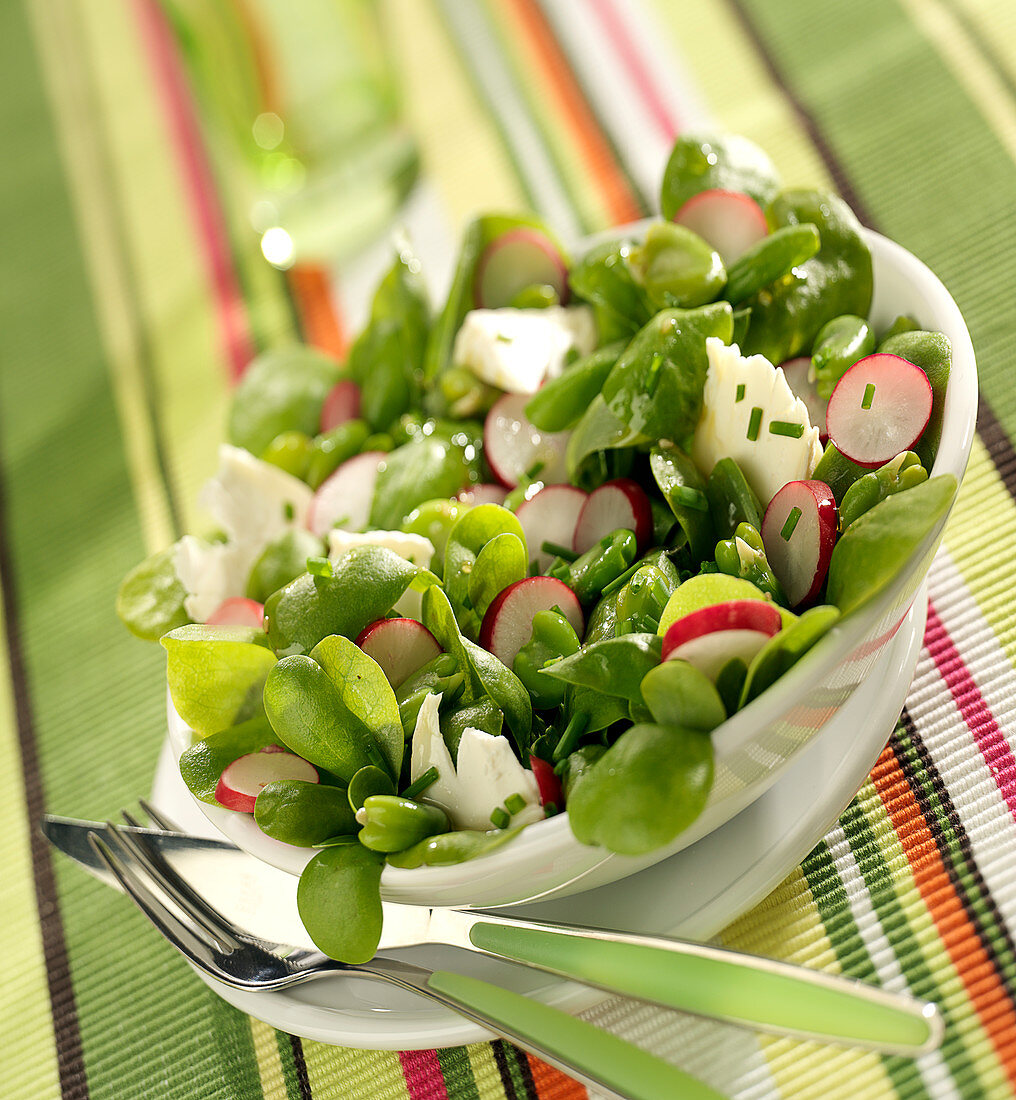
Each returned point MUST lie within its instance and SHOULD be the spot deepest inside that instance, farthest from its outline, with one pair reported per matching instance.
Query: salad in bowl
(538, 588)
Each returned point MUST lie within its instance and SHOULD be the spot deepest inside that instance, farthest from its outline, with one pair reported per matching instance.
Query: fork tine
(184, 937)
(157, 817)
(212, 923)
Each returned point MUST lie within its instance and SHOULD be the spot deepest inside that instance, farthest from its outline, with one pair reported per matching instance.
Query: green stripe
(834, 910)
(882, 881)
(288, 1063)
(457, 1071)
(73, 533)
(927, 166)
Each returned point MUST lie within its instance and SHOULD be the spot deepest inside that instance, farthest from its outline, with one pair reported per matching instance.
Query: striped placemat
(133, 293)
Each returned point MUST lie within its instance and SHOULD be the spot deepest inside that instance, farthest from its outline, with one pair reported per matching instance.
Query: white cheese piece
(254, 502)
(414, 548)
(211, 572)
(770, 460)
(486, 774)
(518, 349)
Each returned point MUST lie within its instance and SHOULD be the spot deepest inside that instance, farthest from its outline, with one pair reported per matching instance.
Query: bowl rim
(959, 422)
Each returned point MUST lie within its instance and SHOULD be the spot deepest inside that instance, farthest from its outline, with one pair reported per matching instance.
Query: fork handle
(710, 981)
(584, 1052)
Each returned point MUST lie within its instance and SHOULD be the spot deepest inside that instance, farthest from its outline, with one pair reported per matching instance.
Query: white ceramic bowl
(755, 746)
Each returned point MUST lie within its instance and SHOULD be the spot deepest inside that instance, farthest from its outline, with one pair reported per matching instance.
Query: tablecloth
(133, 294)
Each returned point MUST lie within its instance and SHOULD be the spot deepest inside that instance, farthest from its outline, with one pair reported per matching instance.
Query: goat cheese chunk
(750, 414)
(485, 773)
(210, 572)
(517, 350)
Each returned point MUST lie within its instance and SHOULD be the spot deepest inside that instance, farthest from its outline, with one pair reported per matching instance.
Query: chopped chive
(570, 738)
(340, 523)
(788, 527)
(515, 803)
(558, 551)
(320, 567)
(620, 582)
(786, 427)
(550, 808)
(869, 395)
(289, 510)
(535, 470)
(418, 786)
(653, 374)
(500, 819)
(754, 423)
(691, 497)
(740, 393)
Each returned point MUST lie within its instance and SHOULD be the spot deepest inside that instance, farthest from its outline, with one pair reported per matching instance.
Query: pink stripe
(628, 54)
(423, 1075)
(978, 717)
(200, 185)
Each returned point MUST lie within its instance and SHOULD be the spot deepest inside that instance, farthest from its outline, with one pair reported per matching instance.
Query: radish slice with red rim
(341, 404)
(238, 611)
(547, 782)
(345, 497)
(879, 408)
(508, 623)
(799, 531)
(796, 373)
(243, 780)
(516, 449)
(712, 636)
(518, 259)
(400, 647)
(730, 221)
(550, 515)
(618, 503)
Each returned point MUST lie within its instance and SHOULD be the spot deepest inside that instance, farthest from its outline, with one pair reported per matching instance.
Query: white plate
(693, 894)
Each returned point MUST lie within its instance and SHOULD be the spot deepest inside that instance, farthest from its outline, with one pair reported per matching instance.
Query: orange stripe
(319, 317)
(599, 157)
(980, 979)
(552, 1084)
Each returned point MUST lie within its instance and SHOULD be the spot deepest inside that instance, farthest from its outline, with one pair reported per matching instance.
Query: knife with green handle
(710, 981)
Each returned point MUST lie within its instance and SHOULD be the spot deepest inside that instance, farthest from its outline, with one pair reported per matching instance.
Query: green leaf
(599, 430)
(282, 390)
(728, 162)
(646, 788)
(785, 649)
(366, 582)
(216, 673)
(203, 763)
(501, 562)
(427, 466)
(472, 531)
(505, 691)
(365, 692)
(296, 811)
(150, 601)
(613, 666)
(881, 545)
(339, 900)
(439, 618)
(282, 561)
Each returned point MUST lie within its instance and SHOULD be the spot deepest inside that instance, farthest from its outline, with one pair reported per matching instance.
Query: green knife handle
(579, 1049)
(711, 981)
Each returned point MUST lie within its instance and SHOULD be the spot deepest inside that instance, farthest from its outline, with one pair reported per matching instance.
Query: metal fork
(231, 955)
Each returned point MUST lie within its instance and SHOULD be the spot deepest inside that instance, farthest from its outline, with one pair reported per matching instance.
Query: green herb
(320, 567)
(500, 819)
(787, 428)
(740, 393)
(515, 803)
(620, 582)
(558, 551)
(754, 423)
(869, 395)
(288, 510)
(691, 498)
(570, 738)
(791, 524)
(428, 779)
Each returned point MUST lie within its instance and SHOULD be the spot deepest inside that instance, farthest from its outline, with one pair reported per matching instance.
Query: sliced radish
(548, 782)
(508, 623)
(516, 449)
(618, 503)
(400, 647)
(341, 404)
(712, 636)
(243, 780)
(879, 408)
(796, 373)
(483, 494)
(730, 221)
(238, 611)
(345, 497)
(517, 259)
(799, 532)
(551, 515)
